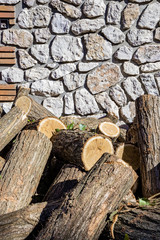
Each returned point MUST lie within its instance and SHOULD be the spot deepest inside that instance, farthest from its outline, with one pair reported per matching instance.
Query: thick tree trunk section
(10, 125)
(22, 91)
(83, 212)
(2, 162)
(148, 124)
(22, 172)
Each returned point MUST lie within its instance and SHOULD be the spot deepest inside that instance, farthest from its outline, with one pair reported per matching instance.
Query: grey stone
(150, 16)
(107, 104)
(42, 35)
(149, 84)
(66, 9)
(87, 25)
(133, 87)
(66, 49)
(140, 1)
(74, 80)
(118, 96)
(75, 2)
(38, 73)
(150, 67)
(124, 53)
(94, 8)
(130, 15)
(87, 66)
(113, 34)
(137, 37)
(97, 47)
(43, 1)
(63, 70)
(85, 103)
(52, 65)
(114, 12)
(25, 60)
(130, 69)
(157, 78)
(54, 105)
(7, 106)
(60, 24)
(38, 16)
(9, 1)
(147, 53)
(157, 34)
(69, 104)
(12, 75)
(29, 3)
(128, 112)
(47, 88)
(40, 52)
(103, 77)
(17, 37)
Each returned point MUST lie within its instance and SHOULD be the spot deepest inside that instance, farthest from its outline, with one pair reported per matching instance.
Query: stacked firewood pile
(65, 179)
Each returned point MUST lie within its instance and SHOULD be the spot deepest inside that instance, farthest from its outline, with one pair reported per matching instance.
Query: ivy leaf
(70, 126)
(57, 129)
(126, 237)
(144, 202)
(82, 127)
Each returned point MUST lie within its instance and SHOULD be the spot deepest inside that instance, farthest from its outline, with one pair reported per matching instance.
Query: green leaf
(144, 202)
(57, 129)
(70, 126)
(112, 215)
(126, 237)
(82, 127)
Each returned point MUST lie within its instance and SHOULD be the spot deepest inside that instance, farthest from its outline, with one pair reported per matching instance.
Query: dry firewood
(109, 129)
(2, 162)
(83, 212)
(23, 170)
(132, 133)
(80, 147)
(10, 125)
(22, 91)
(148, 124)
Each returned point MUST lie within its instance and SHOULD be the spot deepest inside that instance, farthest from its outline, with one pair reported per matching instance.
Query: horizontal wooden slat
(7, 8)
(8, 86)
(7, 55)
(7, 15)
(12, 21)
(7, 49)
(7, 92)
(7, 98)
(7, 61)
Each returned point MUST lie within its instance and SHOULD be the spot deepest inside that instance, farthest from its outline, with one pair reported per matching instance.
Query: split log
(83, 212)
(81, 148)
(22, 91)
(34, 110)
(148, 124)
(10, 125)
(2, 162)
(23, 169)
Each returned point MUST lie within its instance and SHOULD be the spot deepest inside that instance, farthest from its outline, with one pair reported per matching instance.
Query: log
(1, 110)
(83, 212)
(10, 125)
(2, 163)
(22, 91)
(148, 124)
(23, 170)
(109, 129)
(81, 148)
(34, 110)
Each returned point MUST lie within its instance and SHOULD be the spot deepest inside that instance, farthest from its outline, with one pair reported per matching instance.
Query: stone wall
(85, 57)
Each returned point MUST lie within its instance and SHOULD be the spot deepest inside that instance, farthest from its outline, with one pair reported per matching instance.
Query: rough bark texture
(22, 91)
(23, 170)
(148, 124)
(83, 212)
(10, 125)
(2, 162)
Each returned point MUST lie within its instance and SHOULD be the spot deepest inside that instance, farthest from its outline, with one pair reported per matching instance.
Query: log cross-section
(7, 92)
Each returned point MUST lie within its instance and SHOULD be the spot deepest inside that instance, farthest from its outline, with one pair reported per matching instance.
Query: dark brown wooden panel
(7, 8)
(7, 61)
(7, 15)
(7, 92)
(7, 49)
(7, 86)
(7, 55)
(7, 98)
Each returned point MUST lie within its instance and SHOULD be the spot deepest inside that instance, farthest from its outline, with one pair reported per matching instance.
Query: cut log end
(24, 103)
(109, 129)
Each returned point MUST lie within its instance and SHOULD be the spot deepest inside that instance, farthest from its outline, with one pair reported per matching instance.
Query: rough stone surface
(130, 15)
(7, 106)
(97, 47)
(107, 104)
(9, 1)
(63, 69)
(114, 12)
(60, 24)
(74, 80)
(38, 16)
(157, 34)
(157, 78)
(149, 84)
(137, 37)
(124, 53)
(130, 69)
(54, 105)
(66, 9)
(29, 3)
(150, 67)
(52, 65)
(85, 67)
(85, 103)
(148, 53)
(140, 1)
(40, 52)
(94, 8)
(150, 16)
(113, 34)
(133, 87)
(25, 60)
(66, 49)
(128, 112)
(43, 1)
(87, 25)
(42, 35)
(38, 73)
(17, 37)
(118, 96)
(12, 75)
(75, 2)
(103, 77)
(47, 88)
(69, 104)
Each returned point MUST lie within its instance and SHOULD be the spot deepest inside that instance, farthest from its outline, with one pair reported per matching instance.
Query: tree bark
(83, 212)
(148, 124)
(23, 169)
(10, 125)
(22, 91)
(2, 162)
(1, 110)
